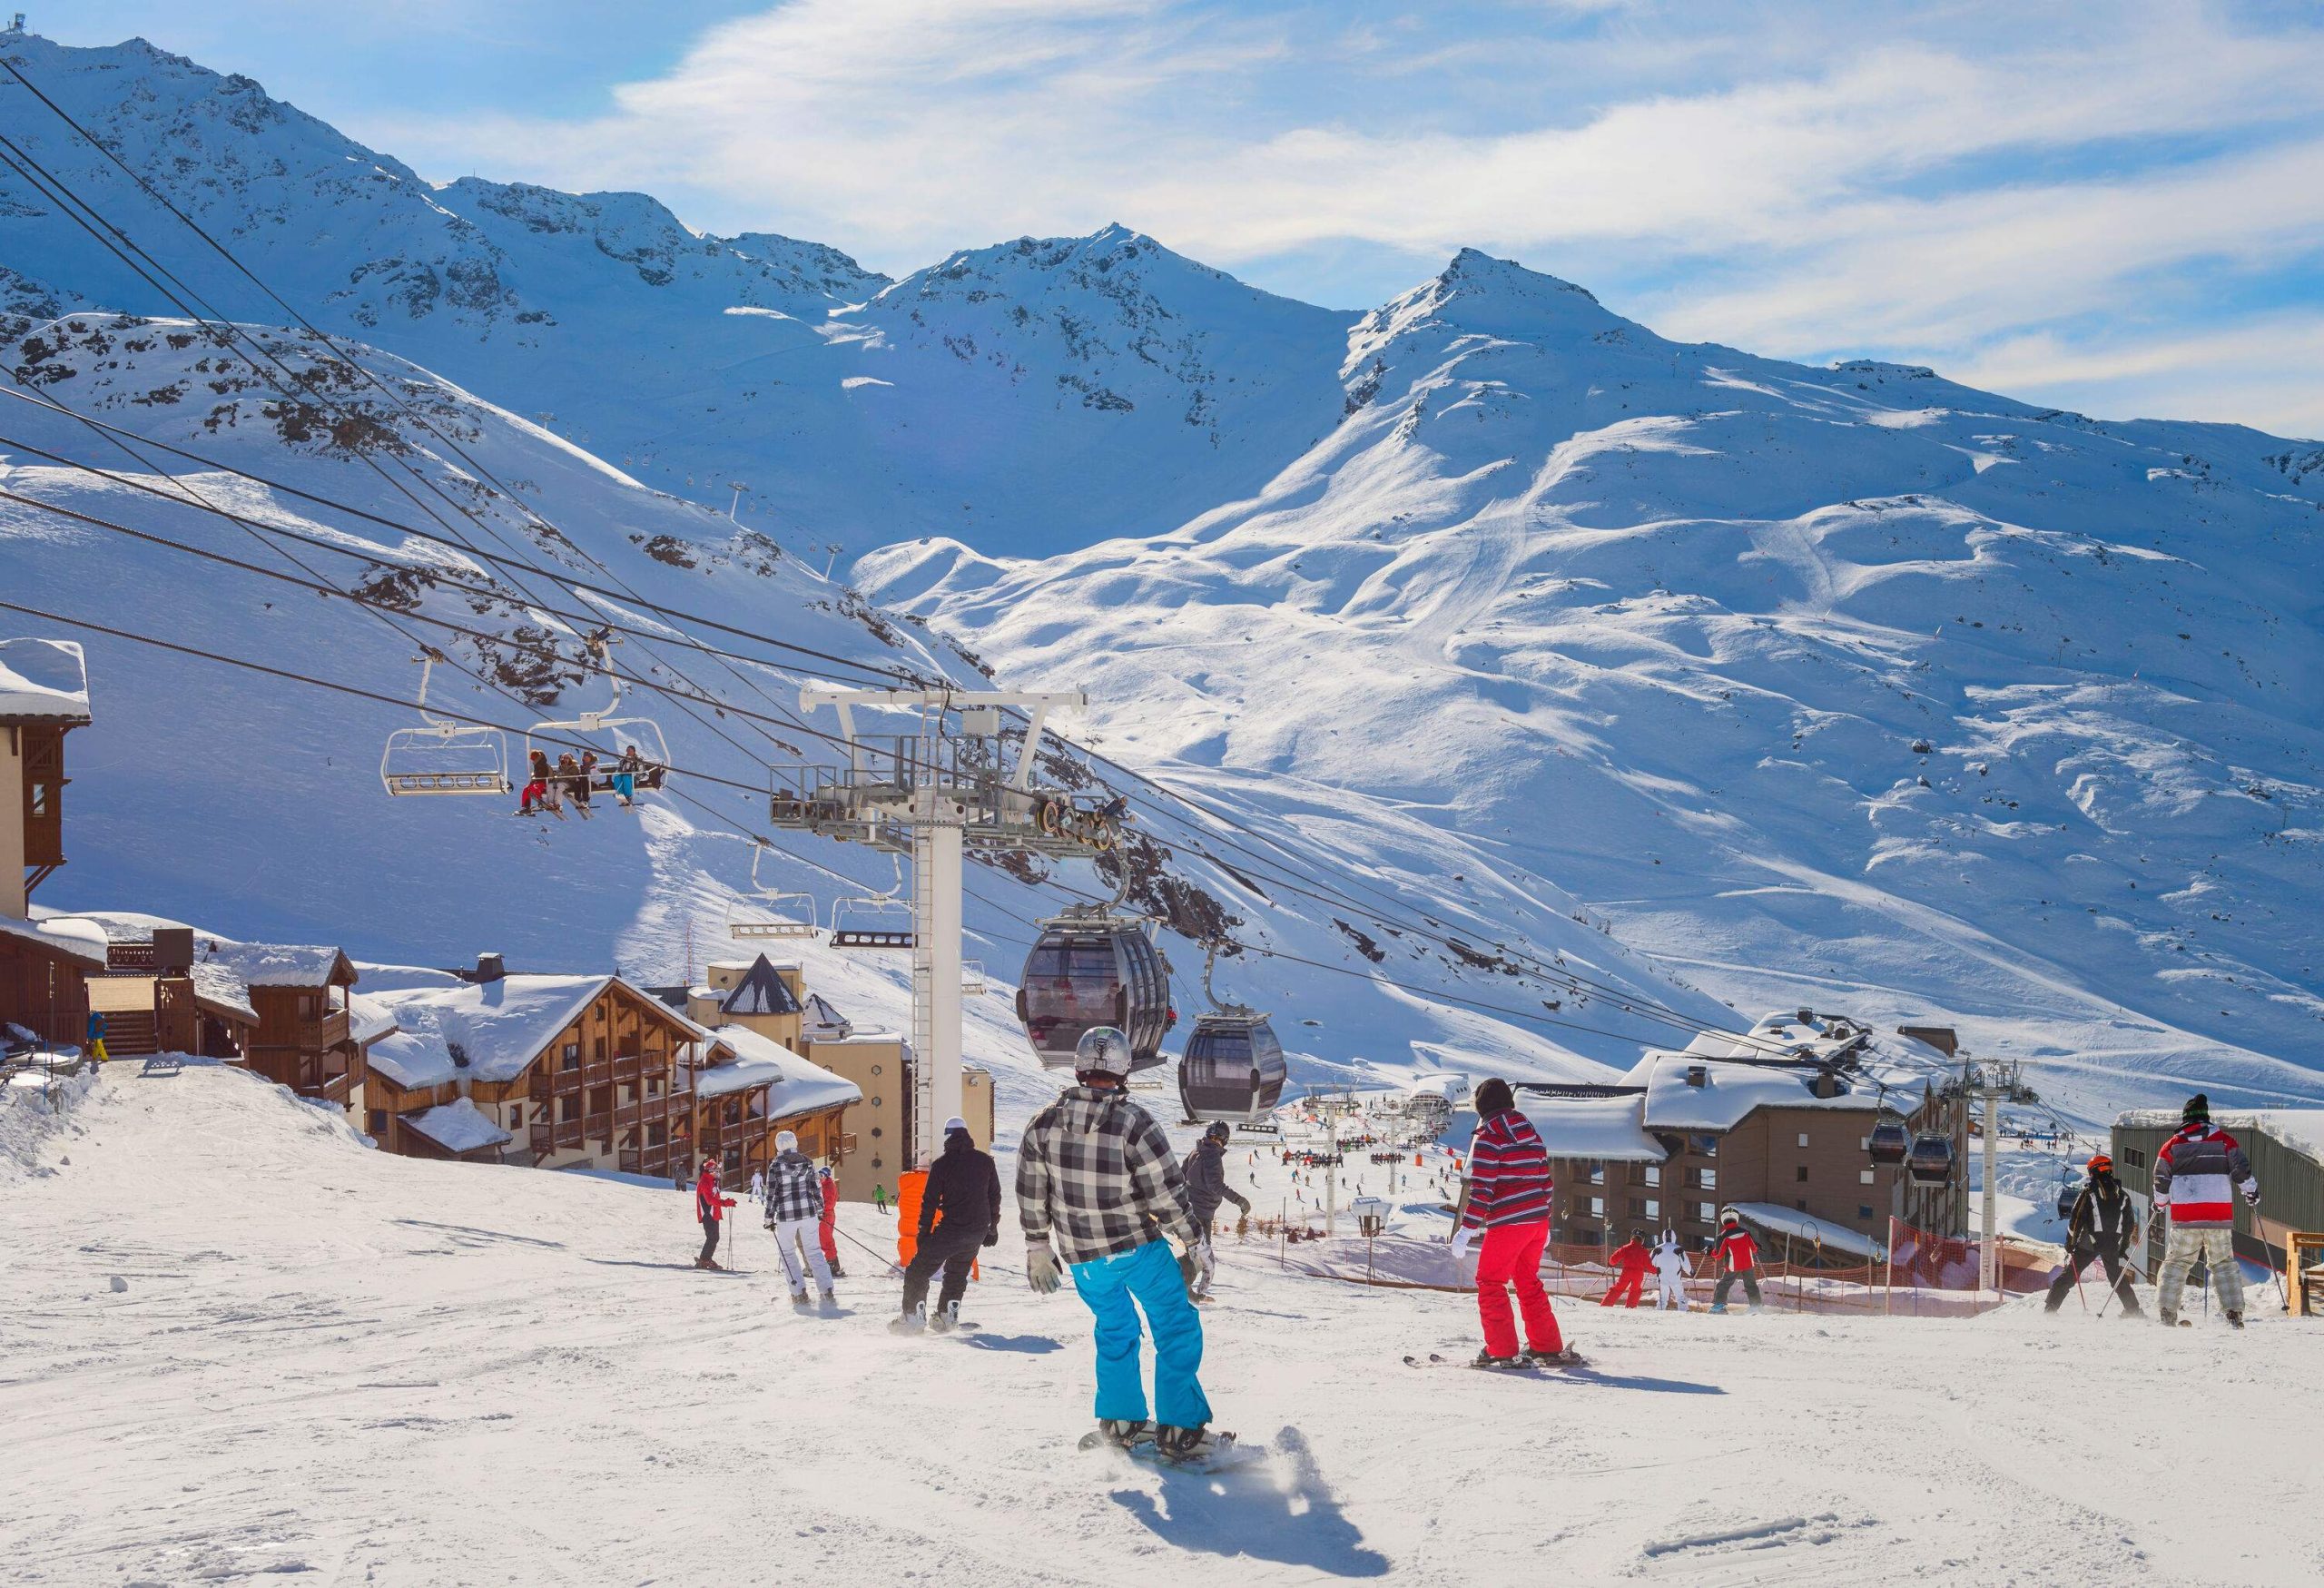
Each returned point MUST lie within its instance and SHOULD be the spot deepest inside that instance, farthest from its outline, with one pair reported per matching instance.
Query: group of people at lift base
(547, 786)
(1101, 1194)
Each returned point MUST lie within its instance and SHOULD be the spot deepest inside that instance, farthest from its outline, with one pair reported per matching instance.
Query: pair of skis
(1522, 1367)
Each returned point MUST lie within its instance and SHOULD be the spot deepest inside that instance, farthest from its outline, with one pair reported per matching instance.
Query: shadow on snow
(1288, 1514)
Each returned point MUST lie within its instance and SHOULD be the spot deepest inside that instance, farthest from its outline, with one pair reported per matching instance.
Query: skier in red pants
(1508, 1200)
(1632, 1263)
(828, 1227)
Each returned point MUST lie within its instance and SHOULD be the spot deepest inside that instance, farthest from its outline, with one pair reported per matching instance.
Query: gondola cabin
(1888, 1143)
(1094, 969)
(1233, 1070)
(1930, 1161)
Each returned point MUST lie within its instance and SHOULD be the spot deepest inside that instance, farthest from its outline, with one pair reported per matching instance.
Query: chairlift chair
(1890, 1142)
(972, 981)
(1930, 1161)
(873, 920)
(1233, 1068)
(554, 736)
(1095, 966)
(764, 913)
(443, 756)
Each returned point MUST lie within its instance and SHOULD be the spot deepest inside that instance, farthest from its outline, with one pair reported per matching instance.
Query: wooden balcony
(628, 1116)
(629, 1067)
(327, 1031)
(336, 1088)
(597, 1127)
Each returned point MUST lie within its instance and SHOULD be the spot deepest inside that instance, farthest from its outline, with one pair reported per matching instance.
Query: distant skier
(960, 1210)
(1736, 1249)
(709, 1208)
(1632, 1262)
(1508, 1200)
(97, 1042)
(795, 1212)
(1671, 1273)
(1205, 1175)
(758, 1189)
(2102, 1224)
(2197, 1175)
(1098, 1191)
(827, 1228)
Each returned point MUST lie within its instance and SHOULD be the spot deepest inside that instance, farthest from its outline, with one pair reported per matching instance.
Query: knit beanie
(2199, 1107)
(1494, 1098)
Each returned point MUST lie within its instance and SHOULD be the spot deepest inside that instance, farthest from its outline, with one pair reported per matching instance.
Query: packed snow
(412, 1373)
(43, 680)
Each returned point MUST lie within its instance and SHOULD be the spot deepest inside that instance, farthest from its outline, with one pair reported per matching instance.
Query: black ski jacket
(2103, 1216)
(1205, 1175)
(963, 1189)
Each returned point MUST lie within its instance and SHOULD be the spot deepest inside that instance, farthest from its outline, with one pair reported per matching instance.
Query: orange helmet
(2100, 1164)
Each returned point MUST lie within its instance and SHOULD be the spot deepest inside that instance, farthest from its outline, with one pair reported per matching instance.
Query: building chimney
(1698, 1075)
(173, 951)
(490, 968)
(1807, 1017)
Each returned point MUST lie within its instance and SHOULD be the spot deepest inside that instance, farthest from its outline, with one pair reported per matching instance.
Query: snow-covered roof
(368, 1020)
(1807, 1227)
(1730, 1091)
(2302, 1129)
(61, 934)
(269, 965)
(43, 681)
(822, 1020)
(1604, 1129)
(458, 1126)
(794, 1086)
(500, 1027)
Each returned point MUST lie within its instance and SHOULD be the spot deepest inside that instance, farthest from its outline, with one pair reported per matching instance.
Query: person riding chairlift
(536, 791)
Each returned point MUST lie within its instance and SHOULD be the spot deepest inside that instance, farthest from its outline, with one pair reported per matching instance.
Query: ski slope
(385, 1371)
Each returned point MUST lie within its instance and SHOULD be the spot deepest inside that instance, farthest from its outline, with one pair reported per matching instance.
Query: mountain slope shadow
(1288, 1515)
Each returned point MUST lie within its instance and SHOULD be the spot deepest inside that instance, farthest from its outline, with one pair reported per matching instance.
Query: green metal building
(2285, 1147)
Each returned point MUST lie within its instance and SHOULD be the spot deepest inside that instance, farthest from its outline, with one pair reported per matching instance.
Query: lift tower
(957, 781)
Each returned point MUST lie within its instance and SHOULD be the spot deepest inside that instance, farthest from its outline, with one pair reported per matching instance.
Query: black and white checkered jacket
(793, 1190)
(1095, 1176)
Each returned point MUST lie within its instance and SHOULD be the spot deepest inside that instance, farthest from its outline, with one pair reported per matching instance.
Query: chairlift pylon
(874, 921)
(1233, 1068)
(443, 756)
(764, 913)
(552, 736)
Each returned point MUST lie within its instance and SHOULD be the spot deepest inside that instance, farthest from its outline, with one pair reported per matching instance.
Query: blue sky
(2118, 208)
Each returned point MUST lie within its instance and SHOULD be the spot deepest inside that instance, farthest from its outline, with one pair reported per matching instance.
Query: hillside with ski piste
(719, 852)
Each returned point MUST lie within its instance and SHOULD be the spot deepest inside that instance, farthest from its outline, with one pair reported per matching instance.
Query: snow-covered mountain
(1498, 632)
(1854, 681)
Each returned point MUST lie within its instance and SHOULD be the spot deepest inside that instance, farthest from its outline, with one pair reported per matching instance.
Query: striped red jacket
(1509, 1174)
(2198, 1173)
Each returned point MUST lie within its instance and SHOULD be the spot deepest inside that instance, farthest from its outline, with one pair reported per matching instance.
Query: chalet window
(2135, 1157)
(39, 807)
(875, 1070)
(1597, 1207)
(1802, 1206)
(1803, 1139)
(1703, 1180)
(1707, 1212)
(1653, 1208)
(1862, 1211)
(1800, 1173)
(875, 1131)
(1706, 1145)
(1865, 1177)
(515, 1116)
(598, 1049)
(379, 1122)
(568, 1107)
(572, 1060)
(1654, 1174)
(1597, 1174)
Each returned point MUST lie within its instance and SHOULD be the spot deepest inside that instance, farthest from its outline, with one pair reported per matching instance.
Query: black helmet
(1217, 1132)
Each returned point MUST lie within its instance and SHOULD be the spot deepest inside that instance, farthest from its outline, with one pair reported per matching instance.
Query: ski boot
(1487, 1359)
(838, 1272)
(2166, 1318)
(945, 1319)
(912, 1323)
(2235, 1320)
(1563, 1357)
(1718, 1306)
(799, 1301)
(829, 1303)
(1189, 1445)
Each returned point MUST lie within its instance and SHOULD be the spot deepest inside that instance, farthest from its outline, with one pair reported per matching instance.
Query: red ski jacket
(1509, 1174)
(2198, 1174)
(706, 1199)
(1741, 1252)
(1632, 1257)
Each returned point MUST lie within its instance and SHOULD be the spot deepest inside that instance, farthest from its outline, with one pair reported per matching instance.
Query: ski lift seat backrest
(445, 756)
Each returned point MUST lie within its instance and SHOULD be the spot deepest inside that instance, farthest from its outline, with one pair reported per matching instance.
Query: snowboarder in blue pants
(1098, 1183)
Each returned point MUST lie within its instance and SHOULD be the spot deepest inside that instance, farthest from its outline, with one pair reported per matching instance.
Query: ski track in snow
(379, 1370)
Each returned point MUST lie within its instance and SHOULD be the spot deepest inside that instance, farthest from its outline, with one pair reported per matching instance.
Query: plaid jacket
(1095, 1176)
(793, 1190)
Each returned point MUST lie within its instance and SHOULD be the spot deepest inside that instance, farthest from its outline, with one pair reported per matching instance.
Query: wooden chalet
(43, 695)
(766, 1083)
(575, 1073)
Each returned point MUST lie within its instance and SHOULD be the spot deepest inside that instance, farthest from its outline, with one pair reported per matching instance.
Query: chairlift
(1233, 1068)
(1890, 1142)
(553, 737)
(444, 757)
(1930, 1162)
(874, 921)
(764, 913)
(972, 978)
(1095, 966)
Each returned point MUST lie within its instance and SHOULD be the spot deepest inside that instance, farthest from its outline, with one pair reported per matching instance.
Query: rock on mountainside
(1852, 680)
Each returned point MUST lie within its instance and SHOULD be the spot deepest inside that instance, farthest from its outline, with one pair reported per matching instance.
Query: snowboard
(1534, 1369)
(1218, 1452)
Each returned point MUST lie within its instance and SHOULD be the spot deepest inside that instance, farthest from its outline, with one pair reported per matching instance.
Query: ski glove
(992, 1236)
(2251, 1198)
(1462, 1239)
(1041, 1270)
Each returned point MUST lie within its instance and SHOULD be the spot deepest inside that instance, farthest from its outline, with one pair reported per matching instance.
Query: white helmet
(1102, 1050)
